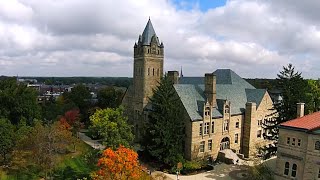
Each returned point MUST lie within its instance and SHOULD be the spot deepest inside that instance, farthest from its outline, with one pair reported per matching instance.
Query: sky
(254, 38)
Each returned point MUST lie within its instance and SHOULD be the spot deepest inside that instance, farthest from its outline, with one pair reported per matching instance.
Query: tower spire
(181, 75)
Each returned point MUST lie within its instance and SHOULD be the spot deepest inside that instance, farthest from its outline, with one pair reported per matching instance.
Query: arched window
(317, 145)
(286, 168)
(294, 170)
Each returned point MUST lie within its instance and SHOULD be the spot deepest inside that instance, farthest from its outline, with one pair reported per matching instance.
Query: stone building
(298, 155)
(221, 110)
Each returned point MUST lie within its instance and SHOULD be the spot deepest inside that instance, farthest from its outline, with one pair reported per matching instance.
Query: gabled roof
(148, 33)
(230, 86)
(308, 122)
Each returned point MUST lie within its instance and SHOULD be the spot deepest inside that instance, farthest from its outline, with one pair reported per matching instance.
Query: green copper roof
(230, 86)
(147, 34)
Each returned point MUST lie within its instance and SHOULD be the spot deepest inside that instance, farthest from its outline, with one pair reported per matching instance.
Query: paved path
(93, 143)
(220, 172)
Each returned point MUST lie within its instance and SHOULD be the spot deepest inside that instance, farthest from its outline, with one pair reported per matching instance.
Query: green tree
(7, 138)
(80, 96)
(293, 90)
(109, 97)
(17, 101)
(164, 135)
(313, 96)
(112, 126)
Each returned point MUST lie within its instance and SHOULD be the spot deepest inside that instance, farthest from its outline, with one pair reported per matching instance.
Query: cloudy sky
(96, 37)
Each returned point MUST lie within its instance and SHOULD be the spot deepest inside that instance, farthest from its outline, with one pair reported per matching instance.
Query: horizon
(95, 38)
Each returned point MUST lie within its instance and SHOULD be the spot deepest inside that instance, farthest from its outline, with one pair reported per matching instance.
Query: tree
(164, 135)
(109, 97)
(119, 165)
(293, 90)
(17, 101)
(81, 97)
(112, 126)
(7, 138)
(313, 96)
(72, 118)
(43, 145)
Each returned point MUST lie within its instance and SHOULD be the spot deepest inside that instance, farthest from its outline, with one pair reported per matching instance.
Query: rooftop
(229, 86)
(307, 122)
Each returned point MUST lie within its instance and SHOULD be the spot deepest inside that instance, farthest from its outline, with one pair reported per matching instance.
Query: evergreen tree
(293, 90)
(164, 136)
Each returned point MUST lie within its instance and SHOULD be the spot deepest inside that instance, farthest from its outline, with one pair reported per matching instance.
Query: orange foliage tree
(120, 164)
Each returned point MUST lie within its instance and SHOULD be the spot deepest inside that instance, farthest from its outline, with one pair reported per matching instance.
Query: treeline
(110, 81)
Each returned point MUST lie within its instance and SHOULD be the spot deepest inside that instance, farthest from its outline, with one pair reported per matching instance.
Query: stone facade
(237, 132)
(298, 155)
(221, 110)
(148, 69)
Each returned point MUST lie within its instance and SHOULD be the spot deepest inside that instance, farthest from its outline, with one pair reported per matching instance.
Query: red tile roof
(308, 122)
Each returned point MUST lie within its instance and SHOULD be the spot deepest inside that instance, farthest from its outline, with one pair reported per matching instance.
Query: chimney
(300, 109)
(173, 76)
(210, 88)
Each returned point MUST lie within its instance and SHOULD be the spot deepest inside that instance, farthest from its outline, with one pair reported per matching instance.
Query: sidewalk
(93, 143)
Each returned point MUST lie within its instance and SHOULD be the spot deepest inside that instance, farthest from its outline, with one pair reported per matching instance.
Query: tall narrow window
(206, 128)
(210, 145)
(226, 125)
(286, 168)
(294, 170)
(237, 124)
(293, 142)
(317, 145)
(212, 127)
(200, 130)
(319, 174)
(299, 142)
(288, 140)
(236, 138)
(201, 146)
(148, 71)
(148, 51)
(153, 71)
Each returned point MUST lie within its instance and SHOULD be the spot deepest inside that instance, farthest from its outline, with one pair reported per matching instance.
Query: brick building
(298, 155)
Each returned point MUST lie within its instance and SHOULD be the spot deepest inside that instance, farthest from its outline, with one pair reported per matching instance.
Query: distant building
(298, 155)
(221, 110)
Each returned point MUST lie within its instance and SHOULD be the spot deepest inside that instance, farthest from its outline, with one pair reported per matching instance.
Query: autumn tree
(112, 126)
(80, 96)
(43, 144)
(120, 164)
(164, 134)
(71, 119)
